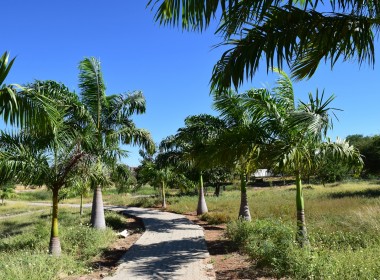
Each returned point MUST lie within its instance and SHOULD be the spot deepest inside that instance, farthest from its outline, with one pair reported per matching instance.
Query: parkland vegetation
(69, 145)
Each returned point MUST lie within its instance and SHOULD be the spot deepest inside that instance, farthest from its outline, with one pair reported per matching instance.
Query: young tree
(123, 178)
(188, 145)
(298, 134)
(238, 144)
(7, 190)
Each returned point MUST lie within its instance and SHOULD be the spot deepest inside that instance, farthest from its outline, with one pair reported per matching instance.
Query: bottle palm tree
(189, 145)
(49, 156)
(298, 133)
(111, 123)
(238, 144)
(298, 33)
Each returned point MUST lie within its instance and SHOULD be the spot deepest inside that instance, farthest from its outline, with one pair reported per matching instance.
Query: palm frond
(5, 66)
(92, 87)
(301, 41)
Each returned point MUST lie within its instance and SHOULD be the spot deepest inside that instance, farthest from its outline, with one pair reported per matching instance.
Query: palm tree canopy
(297, 131)
(110, 114)
(298, 33)
(22, 106)
(186, 147)
(45, 156)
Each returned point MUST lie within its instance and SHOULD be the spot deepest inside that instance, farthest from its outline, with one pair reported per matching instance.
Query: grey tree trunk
(244, 208)
(163, 195)
(217, 190)
(202, 206)
(97, 213)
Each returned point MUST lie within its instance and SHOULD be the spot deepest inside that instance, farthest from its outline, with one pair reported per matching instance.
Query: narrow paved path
(171, 247)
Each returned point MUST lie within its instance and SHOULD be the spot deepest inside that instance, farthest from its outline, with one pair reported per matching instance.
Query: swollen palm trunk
(202, 206)
(244, 208)
(55, 244)
(97, 213)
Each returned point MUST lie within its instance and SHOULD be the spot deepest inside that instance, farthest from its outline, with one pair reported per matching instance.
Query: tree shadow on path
(163, 260)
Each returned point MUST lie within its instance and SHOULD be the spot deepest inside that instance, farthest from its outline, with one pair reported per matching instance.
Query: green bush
(265, 241)
(270, 244)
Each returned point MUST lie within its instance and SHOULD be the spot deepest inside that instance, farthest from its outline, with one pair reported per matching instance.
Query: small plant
(6, 192)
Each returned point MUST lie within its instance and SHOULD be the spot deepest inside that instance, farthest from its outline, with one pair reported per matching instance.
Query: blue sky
(170, 66)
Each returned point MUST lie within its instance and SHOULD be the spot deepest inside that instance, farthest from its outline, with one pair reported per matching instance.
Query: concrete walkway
(171, 247)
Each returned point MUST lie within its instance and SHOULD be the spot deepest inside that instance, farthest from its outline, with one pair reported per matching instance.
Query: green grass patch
(343, 223)
(25, 239)
(34, 195)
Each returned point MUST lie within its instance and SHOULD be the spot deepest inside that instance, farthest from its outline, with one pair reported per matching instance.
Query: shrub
(267, 242)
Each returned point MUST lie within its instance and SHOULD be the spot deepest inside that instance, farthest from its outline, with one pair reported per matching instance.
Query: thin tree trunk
(97, 213)
(301, 237)
(55, 244)
(202, 206)
(81, 205)
(217, 190)
(244, 208)
(163, 195)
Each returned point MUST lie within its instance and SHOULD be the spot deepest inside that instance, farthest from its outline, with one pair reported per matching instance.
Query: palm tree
(188, 145)
(111, 124)
(35, 157)
(298, 33)
(238, 144)
(297, 137)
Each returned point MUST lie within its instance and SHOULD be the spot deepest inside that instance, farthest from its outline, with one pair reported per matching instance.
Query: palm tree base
(202, 206)
(55, 246)
(97, 213)
(302, 238)
(244, 213)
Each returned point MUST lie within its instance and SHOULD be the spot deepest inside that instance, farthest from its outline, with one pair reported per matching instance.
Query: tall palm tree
(35, 157)
(298, 134)
(298, 33)
(111, 123)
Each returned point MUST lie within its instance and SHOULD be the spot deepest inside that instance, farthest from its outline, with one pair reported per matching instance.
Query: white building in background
(262, 173)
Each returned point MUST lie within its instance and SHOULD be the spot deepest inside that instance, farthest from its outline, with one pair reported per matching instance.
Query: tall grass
(24, 245)
(34, 195)
(343, 223)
